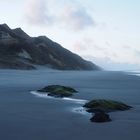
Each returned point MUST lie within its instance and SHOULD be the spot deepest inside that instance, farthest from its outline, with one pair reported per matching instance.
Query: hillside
(20, 51)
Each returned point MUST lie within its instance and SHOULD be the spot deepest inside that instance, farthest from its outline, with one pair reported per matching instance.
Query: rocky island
(99, 108)
(58, 91)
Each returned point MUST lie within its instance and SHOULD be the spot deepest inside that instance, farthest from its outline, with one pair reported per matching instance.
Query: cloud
(108, 64)
(87, 46)
(69, 15)
(121, 55)
(77, 17)
(36, 13)
(137, 53)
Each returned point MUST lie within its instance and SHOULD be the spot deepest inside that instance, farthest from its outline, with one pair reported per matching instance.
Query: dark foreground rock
(96, 106)
(58, 91)
(100, 117)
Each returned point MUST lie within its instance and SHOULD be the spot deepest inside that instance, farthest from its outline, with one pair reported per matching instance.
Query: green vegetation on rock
(58, 91)
(105, 106)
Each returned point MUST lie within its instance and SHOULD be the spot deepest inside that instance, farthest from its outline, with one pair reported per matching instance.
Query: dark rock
(100, 117)
(95, 106)
(19, 31)
(95, 110)
(60, 94)
(15, 64)
(58, 91)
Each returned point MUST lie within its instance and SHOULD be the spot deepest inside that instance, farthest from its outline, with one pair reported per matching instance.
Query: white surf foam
(80, 110)
(135, 73)
(38, 94)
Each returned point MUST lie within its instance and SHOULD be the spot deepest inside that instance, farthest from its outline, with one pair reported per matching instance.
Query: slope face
(20, 51)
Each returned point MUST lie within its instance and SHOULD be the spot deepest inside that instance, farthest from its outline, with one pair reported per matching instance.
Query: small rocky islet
(98, 107)
(58, 91)
(101, 107)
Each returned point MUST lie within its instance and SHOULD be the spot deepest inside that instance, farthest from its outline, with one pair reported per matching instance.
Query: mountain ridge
(20, 51)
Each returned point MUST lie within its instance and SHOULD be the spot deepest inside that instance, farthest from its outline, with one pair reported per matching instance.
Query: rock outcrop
(100, 117)
(99, 109)
(102, 105)
(58, 91)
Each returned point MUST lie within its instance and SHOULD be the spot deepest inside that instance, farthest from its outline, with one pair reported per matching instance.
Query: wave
(137, 73)
(79, 101)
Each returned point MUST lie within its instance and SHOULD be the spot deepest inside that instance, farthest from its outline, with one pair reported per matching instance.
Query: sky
(105, 32)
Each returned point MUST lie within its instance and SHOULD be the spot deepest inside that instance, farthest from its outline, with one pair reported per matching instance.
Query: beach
(25, 116)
